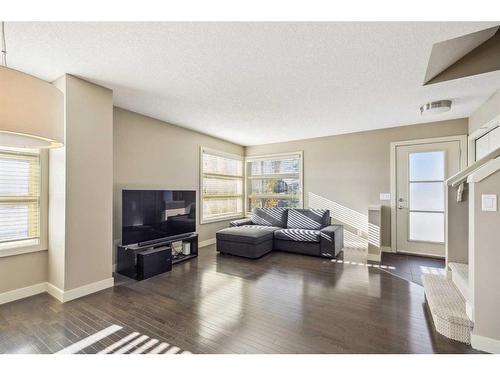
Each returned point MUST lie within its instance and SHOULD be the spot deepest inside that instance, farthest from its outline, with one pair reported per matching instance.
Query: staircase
(460, 277)
(446, 298)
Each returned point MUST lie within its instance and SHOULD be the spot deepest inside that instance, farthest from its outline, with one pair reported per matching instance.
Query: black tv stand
(143, 260)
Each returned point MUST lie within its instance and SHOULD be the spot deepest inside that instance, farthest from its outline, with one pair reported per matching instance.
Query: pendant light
(31, 110)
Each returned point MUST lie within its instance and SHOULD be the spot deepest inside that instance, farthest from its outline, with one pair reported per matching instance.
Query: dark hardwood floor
(281, 303)
(411, 267)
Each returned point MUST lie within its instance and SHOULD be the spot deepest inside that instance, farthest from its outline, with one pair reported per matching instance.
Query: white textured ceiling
(254, 83)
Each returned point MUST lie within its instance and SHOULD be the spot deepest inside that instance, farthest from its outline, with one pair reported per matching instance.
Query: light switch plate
(489, 202)
(385, 196)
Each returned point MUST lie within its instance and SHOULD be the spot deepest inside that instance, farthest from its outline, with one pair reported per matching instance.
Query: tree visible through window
(274, 181)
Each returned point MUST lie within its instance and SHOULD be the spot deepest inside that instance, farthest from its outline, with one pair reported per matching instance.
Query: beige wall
(485, 113)
(486, 262)
(89, 182)
(19, 271)
(349, 171)
(81, 192)
(152, 154)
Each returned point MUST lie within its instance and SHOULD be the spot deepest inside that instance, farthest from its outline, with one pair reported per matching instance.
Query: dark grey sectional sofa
(304, 231)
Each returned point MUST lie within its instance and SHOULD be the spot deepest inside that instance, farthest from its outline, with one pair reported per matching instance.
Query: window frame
(228, 155)
(271, 156)
(424, 181)
(17, 247)
(487, 136)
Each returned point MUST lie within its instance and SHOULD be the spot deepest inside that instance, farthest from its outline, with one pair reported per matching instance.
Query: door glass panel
(427, 166)
(427, 226)
(426, 196)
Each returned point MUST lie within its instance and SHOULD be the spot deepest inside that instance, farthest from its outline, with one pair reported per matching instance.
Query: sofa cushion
(252, 234)
(303, 235)
(240, 222)
(264, 227)
(308, 218)
(275, 216)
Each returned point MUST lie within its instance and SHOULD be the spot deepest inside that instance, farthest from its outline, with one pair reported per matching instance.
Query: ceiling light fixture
(31, 110)
(434, 108)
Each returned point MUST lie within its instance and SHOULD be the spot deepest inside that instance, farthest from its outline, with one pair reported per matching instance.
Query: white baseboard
(209, 242)
(87, 289)
(20, 293)
(55, 292)
(385, 249)
(63, 296)
(469, 310)
(374, 257)
(486, 344)
(435, 256)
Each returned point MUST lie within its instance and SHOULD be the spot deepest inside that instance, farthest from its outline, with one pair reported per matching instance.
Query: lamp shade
(31, 111)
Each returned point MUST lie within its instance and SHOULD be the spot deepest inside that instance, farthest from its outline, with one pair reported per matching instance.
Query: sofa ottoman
(251, 241)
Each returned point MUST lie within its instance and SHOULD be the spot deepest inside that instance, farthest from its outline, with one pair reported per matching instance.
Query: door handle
(400, 205)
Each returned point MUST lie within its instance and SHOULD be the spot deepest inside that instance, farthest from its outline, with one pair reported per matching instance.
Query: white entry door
(421, 171)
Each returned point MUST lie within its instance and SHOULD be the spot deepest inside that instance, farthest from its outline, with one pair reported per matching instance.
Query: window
(487, 143)
(221, 186)
(19, 198)
(426, 196)
(274, 181)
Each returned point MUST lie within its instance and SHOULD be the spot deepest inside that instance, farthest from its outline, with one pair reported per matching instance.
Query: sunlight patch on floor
(383, 266)
(134, 343)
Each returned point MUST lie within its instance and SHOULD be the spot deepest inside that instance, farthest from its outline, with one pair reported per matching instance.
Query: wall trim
(87, 289)
(374, 257)
(68, 295)
(19, 250)
(486, 344)
(55, 292)
(28, 291)
(209, 242)
(469, 310)
(435, 256)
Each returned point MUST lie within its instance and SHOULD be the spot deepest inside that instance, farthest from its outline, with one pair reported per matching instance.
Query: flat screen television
(149, 215)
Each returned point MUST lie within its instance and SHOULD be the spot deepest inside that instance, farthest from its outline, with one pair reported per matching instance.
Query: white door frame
(463, 163)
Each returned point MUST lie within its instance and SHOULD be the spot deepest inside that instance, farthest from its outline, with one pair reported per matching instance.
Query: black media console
(141, 261)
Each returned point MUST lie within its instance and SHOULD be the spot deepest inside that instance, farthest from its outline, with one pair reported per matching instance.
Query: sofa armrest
(240, 222)
(332, 240)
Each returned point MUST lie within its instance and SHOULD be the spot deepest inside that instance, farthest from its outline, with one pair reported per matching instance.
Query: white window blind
(221, 186)
(19, 196)
(274, 181)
